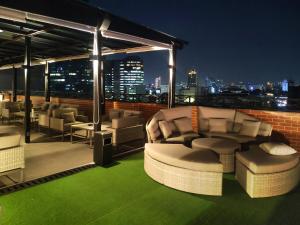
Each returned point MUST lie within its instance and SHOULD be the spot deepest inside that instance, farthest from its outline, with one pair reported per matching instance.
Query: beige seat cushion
(180, 156)
(183, 138)
(260, 162)
(9, 140)
(233, 136)
(184, 125)
(219, 145)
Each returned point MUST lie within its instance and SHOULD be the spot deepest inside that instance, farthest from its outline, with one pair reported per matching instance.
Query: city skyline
(240, 40)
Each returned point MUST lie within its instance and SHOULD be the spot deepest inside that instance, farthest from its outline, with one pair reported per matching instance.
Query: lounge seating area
(50, 151)
(228, 141)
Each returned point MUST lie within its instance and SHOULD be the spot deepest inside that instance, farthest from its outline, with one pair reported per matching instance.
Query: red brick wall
(286, 125)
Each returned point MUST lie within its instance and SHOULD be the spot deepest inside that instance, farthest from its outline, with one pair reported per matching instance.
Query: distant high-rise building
(285, 86)
(124, 77)
(157, 82)
(192, 80)
(131, 75)
(214, 86)
(72, 78)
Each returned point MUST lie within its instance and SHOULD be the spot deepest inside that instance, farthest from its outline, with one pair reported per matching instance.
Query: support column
(47, 82)
(98, 96)
(14, 85)
(172, 78)
(27, 76)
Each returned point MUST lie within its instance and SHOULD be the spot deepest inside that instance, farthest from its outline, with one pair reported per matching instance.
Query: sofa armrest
(127, 134)
(57, 124)
(82, 118)
(5, 113)
(44, 120)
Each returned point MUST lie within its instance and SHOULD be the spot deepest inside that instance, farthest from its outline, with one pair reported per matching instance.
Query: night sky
(231, 40)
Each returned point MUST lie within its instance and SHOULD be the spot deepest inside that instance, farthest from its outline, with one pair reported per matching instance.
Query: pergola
(35, 32)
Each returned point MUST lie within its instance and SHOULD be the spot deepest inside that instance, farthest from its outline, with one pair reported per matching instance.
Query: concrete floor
(49, 155)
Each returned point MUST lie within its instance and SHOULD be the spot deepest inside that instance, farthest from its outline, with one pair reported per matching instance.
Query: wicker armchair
(11, 154)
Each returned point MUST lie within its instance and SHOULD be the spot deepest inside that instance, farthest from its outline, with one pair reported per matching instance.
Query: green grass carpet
(124, 194)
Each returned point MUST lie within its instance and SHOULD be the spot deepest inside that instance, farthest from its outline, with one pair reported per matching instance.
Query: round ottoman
(224, 147)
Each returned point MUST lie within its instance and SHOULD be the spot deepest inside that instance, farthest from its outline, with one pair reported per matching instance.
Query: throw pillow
(68, 117)
(204, 125)
(153, 130)
(218, 125)
(114, 114)
(250, 128)
(184, 125)
(277, 148)
(165, 129)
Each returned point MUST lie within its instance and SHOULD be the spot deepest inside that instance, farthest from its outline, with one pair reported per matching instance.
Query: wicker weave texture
(228, 162)
(267, 185)
(207, 183)
(12, 158)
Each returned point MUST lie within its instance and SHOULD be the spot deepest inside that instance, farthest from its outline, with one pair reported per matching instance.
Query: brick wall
(286, 125)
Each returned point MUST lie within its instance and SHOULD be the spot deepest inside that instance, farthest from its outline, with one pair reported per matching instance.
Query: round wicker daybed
(185, 169)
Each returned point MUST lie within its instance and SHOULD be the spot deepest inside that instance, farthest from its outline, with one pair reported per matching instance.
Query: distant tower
(285, 86)
(192, 78)
(157, 82)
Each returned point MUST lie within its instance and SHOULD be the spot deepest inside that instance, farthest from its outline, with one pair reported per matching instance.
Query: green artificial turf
(124, 194)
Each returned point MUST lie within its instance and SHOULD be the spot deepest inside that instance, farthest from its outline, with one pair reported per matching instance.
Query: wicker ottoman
(264, 175)
(185, 169)
(225, 148)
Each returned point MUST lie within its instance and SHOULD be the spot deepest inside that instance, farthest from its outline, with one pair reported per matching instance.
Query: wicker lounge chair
(11, 153)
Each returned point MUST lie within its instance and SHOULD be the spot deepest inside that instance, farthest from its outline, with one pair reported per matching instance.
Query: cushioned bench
(265, 175)
(185, 169)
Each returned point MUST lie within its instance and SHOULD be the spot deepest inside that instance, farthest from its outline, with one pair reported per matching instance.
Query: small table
(224, 147)
(89, 128)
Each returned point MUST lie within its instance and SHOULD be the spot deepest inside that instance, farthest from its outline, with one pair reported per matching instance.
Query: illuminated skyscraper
(129, 76)
(71, 78)
(192, 80)
(157, 82)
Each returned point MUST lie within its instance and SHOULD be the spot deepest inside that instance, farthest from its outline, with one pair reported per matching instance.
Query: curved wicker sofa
(264, 175)
(11, 152)
(184, 169)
